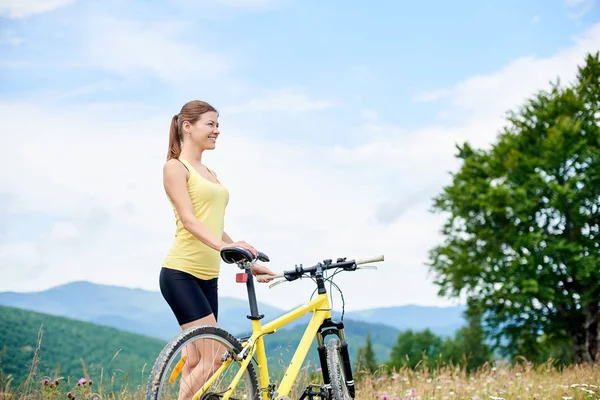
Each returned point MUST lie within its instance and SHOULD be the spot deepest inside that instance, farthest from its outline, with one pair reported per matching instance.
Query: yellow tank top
(187, 253)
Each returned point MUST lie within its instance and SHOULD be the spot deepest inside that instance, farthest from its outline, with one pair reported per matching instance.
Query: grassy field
(494, 381)
(87, 351)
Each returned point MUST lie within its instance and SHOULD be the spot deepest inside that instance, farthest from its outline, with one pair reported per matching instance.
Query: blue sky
(367, 56)
(314, 97)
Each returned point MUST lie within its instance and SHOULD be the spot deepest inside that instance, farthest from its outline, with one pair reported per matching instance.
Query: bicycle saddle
(233, 255)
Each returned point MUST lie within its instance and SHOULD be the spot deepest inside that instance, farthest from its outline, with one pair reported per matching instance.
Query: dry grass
(492, 381)
(498, 380)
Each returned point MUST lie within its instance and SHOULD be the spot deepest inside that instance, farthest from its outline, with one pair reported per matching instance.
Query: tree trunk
(593, 333)
(585, 335)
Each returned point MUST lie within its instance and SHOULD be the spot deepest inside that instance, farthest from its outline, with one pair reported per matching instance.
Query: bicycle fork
(330, 327)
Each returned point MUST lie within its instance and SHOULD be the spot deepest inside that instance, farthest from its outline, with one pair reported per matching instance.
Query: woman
(189, 276)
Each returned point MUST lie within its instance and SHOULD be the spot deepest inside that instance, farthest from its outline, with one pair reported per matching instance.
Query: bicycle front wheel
(337, 372)
(192, 358)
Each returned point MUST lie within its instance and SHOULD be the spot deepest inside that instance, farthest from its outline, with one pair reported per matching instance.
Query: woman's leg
(185, 295)
(209, 351)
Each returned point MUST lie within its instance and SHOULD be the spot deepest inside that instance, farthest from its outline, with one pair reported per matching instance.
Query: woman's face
(205, 131)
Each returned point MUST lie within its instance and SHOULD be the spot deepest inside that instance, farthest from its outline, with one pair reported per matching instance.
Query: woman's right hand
(243, 245)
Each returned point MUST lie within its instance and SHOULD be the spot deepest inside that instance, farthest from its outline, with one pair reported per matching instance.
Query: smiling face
(204, 132)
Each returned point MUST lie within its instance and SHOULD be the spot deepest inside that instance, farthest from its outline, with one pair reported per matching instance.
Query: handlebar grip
(369, 260)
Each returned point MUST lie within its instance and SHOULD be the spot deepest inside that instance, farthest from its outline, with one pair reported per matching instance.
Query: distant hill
(443, 321)
(133, 310)
(283, 343)
(147, 313)
(66, 342)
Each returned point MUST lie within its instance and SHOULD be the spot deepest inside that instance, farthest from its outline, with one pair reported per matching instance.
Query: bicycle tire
(195, 332)
(335, 366)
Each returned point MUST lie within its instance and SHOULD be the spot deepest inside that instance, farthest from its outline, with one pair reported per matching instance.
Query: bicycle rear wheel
(337, 372)
(191, 358)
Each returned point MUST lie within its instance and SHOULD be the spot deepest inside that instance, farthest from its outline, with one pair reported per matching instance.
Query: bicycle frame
(255, 346)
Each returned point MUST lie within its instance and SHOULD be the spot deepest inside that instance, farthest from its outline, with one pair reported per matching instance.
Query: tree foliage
(366, 357)
(468, 347)
(423, 348)
(413, 348)
(522, 240)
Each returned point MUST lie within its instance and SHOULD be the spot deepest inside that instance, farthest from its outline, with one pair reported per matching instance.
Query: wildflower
(70, 395)
(45, 382)
(82, 381)
(380, 379)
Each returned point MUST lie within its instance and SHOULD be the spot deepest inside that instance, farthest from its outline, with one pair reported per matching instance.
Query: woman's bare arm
(175, 183)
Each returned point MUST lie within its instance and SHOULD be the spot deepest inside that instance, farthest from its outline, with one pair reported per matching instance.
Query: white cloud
(485, 100)
(98, 170)
(286, 101)
(369, 115)
(7, 37)
(433, 95)
(579, 7)
(420, 161)
(25, 8)
(64, 231)
(160, 49)
(102, 174)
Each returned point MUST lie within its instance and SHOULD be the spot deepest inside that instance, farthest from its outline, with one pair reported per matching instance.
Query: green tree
(413, 348)
(468, 346)
(366, 356)
(522, 241)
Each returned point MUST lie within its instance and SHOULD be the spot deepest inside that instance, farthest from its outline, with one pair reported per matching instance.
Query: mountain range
(146, 313)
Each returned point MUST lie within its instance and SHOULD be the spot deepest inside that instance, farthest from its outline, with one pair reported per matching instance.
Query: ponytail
(174, 139)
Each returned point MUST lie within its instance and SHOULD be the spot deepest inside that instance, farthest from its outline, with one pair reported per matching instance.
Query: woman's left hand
(258, 269)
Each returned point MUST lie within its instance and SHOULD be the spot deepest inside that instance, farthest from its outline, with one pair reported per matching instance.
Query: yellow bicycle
(209, 363)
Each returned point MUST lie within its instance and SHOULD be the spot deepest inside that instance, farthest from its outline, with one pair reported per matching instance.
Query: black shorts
(189, 297)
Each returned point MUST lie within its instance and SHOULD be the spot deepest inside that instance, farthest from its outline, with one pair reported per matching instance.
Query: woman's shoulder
(175, 167)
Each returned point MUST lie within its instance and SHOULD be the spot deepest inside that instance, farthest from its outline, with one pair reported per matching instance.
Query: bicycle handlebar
(294, 274)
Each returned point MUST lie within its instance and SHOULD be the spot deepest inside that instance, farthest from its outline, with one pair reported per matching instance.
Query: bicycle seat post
(254, 315)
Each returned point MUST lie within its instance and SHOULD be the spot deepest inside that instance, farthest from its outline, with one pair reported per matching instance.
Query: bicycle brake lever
(367, 267)
(275, 283)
